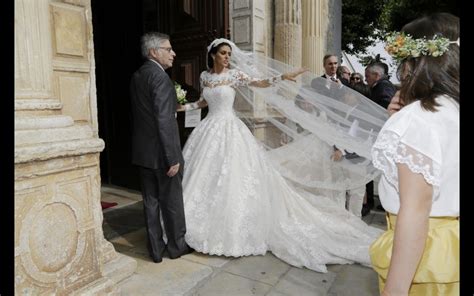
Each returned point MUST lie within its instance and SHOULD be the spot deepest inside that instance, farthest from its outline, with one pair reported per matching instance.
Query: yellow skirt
(438, 271)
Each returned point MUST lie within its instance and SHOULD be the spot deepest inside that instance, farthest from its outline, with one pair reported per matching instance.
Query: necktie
(333, 79)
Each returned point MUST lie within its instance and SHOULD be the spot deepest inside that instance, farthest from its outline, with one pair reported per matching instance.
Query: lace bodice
(219, 89)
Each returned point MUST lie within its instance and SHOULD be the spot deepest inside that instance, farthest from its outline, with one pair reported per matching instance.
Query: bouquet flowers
(180, 94)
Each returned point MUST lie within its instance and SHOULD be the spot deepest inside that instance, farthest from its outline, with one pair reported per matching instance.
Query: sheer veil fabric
(246, 194)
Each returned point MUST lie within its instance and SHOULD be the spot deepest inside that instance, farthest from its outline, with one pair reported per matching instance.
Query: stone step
(120, 268)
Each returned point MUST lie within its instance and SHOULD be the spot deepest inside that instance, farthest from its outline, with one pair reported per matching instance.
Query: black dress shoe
(185, 252)
(158, 259)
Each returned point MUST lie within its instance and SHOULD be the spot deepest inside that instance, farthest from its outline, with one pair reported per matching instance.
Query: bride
(237, 203)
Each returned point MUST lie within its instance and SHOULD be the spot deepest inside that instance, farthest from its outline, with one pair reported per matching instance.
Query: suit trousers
(163, 194)
(369, 187)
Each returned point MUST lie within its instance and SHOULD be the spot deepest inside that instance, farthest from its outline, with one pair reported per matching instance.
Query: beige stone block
(69, 27)
(42, 122)
(56, 247)
(242, 29)
(73, 92)
(77, 2)
(45, 135)
(45, 151)
(32, 50)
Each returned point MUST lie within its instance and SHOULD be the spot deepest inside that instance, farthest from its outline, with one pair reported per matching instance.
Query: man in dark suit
(344, 74)
(381, 89)
(156, 147)
(381, 92)
(330, 64)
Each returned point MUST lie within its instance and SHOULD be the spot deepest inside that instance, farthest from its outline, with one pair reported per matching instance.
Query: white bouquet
(180, 94)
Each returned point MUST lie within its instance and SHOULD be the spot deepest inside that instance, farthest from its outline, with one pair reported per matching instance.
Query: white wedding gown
(237, 204)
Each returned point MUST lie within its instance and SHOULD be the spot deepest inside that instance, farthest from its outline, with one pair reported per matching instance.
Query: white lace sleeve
(408, 139)
(240, 78)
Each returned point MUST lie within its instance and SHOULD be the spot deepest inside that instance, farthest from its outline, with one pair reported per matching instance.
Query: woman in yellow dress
(418, 153)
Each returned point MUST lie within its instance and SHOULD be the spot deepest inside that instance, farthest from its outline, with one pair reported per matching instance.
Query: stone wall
(59, 244)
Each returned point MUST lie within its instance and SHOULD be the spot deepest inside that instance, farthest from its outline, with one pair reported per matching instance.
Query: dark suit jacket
(155, 135)
(382, 92)
(325, 76)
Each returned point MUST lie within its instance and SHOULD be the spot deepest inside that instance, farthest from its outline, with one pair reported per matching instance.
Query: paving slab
(355, 279)
(170, 277)
(228, 284)
(302, 281)
(266, 269)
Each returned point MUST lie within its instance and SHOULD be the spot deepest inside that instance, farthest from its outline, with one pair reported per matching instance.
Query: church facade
(73, 61)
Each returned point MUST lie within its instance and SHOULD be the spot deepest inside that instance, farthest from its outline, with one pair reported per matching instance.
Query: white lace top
(428, 143)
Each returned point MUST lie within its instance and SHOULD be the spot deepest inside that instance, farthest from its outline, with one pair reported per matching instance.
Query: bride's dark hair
(210, 61)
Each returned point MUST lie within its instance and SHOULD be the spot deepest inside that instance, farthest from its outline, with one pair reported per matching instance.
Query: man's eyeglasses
(355, 78)
(168, 49)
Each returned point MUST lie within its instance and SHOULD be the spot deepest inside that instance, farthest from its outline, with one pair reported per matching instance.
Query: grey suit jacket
(155, 135)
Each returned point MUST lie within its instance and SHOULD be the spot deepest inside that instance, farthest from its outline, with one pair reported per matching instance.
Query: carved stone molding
(288, 28)
(32, 50)
(58, 149)
(314, 38)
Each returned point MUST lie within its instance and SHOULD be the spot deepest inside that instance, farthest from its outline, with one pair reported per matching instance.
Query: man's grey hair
(152, 40)
(341, 69)
(376, 68)
(327, 57)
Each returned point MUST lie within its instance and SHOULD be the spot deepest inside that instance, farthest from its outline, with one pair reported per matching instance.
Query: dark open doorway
(117, 29)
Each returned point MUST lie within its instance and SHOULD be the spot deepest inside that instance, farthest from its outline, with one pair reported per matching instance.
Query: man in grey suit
(156, 147)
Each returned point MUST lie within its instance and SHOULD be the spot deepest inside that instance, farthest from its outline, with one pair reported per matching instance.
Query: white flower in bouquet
(180, 94)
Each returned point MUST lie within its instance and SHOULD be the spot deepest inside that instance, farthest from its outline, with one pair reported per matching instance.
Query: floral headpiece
(401, 46)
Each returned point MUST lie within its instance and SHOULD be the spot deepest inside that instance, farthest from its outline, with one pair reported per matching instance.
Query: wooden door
(192, 25)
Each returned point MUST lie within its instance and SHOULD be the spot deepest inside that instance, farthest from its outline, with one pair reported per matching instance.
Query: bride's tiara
(218, 41)
(401, 46)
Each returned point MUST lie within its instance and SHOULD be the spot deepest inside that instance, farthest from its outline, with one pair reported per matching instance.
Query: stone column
(315, 17)
(287, 48)
(59, 244)
(334, 27)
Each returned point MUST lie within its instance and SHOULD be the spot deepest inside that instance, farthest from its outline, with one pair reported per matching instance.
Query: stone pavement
(199, 274)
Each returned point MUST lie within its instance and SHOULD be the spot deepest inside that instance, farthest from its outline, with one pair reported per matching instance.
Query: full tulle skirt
(237, 204)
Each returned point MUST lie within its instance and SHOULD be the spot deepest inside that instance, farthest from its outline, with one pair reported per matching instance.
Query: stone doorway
(117, 29)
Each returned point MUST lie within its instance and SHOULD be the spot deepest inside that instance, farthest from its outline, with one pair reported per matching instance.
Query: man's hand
(173, 170)
(395, 104)
(336, 155)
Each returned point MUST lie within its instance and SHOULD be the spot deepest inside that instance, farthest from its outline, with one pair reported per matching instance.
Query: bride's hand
(179, 108)
(202, 103)
(292, 75)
